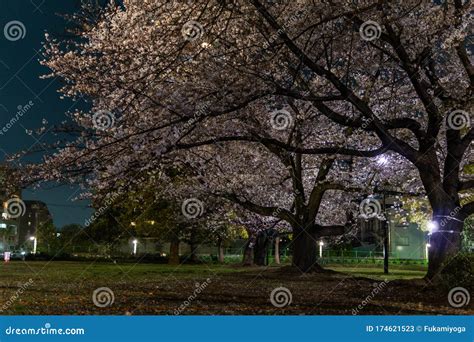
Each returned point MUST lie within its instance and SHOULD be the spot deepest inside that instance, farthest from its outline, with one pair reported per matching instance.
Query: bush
(459, 271)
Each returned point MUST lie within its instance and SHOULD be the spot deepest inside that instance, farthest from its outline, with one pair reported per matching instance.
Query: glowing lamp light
(135, 245)
(432, 226)
(427, 247)
(35, 243)
(321, 244)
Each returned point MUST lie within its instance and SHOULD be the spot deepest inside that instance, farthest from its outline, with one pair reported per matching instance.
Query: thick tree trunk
(305, 254)
(445, 238)
(220, 252)
(445, 242)
(248, 253)
(277, 250)
(260, 251)
(174, 253)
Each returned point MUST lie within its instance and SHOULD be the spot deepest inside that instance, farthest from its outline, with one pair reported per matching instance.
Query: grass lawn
(376, 271)
(67, 288)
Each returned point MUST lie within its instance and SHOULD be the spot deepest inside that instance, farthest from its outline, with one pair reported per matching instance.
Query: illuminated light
(133, 224)
(432, 226)
(321, 244)
(135, 245)
(35, 243)
(426, 250)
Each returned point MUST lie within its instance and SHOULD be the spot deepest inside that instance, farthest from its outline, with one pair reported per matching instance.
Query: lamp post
(321, 244)
(35, 243)
(135, 245)
(427, 250)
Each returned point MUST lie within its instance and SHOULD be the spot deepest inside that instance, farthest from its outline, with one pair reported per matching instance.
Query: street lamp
(321, 244)
(432, 226)
(35, 243)
(426, 250)
(135, 244)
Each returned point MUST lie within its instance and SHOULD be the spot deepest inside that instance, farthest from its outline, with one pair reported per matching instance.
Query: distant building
(19, 219)
(406, 239)
(36, 214)
(8, 224)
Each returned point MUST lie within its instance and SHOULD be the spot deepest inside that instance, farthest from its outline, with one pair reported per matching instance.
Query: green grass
(376, 271)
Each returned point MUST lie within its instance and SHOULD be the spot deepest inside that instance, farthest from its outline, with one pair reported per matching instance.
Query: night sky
(20, 83)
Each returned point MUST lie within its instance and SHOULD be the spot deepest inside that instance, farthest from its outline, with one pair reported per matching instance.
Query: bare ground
(66, 288)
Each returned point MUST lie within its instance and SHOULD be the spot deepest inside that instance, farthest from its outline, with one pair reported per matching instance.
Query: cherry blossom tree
(278, 107)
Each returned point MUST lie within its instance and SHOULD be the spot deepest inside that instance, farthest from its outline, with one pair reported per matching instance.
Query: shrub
(459, 271)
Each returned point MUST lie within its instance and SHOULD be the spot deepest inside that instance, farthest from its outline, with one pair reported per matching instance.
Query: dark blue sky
(20, 83)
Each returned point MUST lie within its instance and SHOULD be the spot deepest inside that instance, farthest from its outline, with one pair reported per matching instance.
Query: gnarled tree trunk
(445, 242)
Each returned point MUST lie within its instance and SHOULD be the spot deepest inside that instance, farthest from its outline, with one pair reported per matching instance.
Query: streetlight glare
(432, 226)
